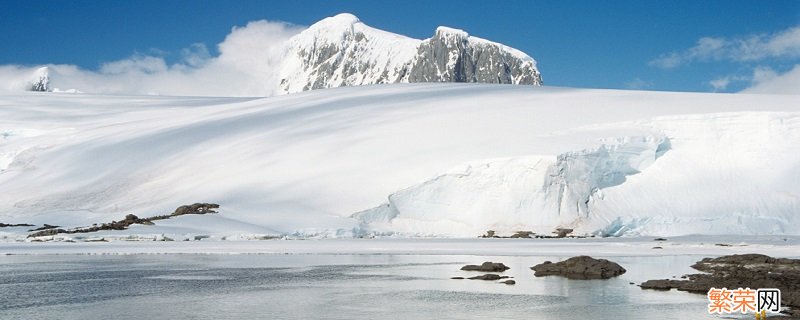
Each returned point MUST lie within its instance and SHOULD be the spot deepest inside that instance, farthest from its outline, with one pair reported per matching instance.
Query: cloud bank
(746, 50)
(783, 44)
(248, 55)
(766, 80)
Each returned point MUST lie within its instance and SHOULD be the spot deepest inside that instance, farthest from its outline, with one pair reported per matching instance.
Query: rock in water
(488, 276)
(487, 266)
(740, 271)
(580, 267)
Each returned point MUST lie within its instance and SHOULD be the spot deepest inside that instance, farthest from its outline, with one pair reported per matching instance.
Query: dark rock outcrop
(44, 227)
(487, 266)
(562, 232)
(488, 276)
(489, 234)
(522, 234)
(3, 225)
(580, 267)
(47, 232)
(41, 80)
(197, 208)
(740, 271)
(453, 56)
(130, 219)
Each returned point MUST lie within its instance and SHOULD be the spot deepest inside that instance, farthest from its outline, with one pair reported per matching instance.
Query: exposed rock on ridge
(343, 51)
(41, 80)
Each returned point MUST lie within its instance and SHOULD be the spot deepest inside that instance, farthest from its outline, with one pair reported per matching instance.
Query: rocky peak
(452, 55)
(343, 51)
(40, 80)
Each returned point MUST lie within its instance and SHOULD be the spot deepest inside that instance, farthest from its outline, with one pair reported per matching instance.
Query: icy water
(318, 286)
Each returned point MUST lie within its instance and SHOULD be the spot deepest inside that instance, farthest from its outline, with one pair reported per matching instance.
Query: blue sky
(650, 45)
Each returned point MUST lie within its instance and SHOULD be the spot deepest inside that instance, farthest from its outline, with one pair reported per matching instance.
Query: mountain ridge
(343, 51)
(334, 52)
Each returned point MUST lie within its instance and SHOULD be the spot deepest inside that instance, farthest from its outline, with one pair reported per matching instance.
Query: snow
(452, 159)
(376, 52)
(611, 189)
(442, 30)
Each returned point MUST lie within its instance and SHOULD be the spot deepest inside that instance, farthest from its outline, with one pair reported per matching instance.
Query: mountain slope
(343, 51)
(453, 160)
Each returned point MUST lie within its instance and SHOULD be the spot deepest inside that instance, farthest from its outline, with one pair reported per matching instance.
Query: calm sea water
(327, 287)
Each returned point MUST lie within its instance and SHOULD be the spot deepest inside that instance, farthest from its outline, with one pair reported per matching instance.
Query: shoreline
(778, 246)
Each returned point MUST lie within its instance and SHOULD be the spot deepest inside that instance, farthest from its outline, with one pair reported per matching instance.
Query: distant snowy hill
(410, 159)
(343, 51)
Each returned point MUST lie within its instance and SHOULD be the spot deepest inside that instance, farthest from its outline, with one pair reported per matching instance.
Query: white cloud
(137, 63)
(762, 80)
(783, 44)
(720, 83)
(247, 55)
(763, 74)
(638, 84)
(196, 55)
(667, 61)
(766, 80)
(14, 78)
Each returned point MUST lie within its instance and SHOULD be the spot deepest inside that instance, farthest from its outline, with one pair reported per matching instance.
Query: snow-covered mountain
(40, 80)
(343, 51)
(412, 159)
(264, 60)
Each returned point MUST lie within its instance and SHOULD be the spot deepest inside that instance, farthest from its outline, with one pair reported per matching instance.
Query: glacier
(435, 159)
(533, 193)
(709, 181)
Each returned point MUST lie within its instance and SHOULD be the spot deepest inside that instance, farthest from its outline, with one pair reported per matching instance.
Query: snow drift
(444, 159)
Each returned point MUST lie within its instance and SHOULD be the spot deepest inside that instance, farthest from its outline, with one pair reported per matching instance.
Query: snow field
(449, 159)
